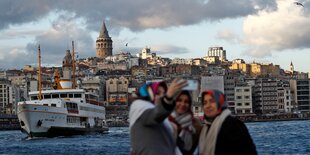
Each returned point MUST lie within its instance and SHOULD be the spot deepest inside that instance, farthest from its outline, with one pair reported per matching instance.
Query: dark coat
(234, 138)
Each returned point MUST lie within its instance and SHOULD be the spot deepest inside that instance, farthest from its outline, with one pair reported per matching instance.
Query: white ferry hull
(46, 121)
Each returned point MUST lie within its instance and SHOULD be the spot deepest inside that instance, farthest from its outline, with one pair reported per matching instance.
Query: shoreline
(277, 120)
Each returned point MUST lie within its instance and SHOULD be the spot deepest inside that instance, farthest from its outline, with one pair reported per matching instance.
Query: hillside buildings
(253, 89)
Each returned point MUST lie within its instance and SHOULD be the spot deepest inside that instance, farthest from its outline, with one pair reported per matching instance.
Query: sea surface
(283, 137)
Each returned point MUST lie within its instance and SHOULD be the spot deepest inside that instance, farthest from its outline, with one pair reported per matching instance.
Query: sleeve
(234, 138)
(157, 115)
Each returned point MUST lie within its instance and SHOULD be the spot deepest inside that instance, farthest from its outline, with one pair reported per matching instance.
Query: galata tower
(103, 43)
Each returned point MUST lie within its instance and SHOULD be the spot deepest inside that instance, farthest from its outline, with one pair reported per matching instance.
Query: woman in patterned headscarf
(222, 133)
(150, 131)
(188, 127)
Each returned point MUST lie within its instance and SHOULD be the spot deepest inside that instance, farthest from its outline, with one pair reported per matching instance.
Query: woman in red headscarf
(222, 134)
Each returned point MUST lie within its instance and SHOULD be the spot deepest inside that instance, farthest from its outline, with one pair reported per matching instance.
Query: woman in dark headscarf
(150, 131)
(188, 127)
(222, 133)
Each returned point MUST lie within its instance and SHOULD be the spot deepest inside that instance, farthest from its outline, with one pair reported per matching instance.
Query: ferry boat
(64, 111)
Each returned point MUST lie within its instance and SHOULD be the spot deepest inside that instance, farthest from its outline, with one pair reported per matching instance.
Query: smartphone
(191, 85)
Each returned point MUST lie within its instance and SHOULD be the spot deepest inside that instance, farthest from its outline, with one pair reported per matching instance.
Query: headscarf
(219, 98)
(184, 124)
(149, 90)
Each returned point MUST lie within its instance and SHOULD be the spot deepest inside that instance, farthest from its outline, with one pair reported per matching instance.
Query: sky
(264, 31)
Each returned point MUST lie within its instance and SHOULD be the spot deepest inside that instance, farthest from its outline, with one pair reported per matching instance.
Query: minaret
(292, 68)
(103, 43)
(67, 66)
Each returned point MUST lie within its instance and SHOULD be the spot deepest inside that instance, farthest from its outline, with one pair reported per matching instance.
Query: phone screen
(191, 85)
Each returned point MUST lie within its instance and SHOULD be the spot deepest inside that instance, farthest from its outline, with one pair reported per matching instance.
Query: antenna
(39, 75)
(73, 67)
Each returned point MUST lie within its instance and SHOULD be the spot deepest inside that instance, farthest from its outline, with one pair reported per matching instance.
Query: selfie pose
(222, 134)
(150, 131)
(188, 127)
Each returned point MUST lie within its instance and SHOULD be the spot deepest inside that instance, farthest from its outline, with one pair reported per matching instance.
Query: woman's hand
(175, 87)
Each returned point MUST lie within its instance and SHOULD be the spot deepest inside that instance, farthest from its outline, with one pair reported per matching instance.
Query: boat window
(70, 95)
(77, 95)
(53, 105)
(34, 97)
(63, 95)
(45, 104)
(55, 95)
(47, 96)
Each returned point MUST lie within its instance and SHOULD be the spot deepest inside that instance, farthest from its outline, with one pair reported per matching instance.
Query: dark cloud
(136, 15)
(20, 11)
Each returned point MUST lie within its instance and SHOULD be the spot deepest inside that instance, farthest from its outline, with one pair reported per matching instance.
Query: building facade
(217, 52)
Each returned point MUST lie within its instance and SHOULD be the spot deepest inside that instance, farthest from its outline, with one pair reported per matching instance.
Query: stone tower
(292, 68)
(103, 43)
(67, 65)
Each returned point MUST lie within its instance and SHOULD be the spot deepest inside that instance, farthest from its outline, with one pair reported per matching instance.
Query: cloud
(14, 57)
(59, 37)
(227, 35)
(137, 15)
(168, 49)
(273, 31)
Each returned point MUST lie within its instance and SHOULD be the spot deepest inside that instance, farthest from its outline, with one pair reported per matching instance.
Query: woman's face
(182, 104)
(209, 106)
(160, 93)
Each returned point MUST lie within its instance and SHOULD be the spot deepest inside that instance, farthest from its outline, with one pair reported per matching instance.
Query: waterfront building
(9, 96)
(104, 43)
(300, 88)
(229, 90)
(265, 96)
(212, 82)
(284, 99)
(243, 99)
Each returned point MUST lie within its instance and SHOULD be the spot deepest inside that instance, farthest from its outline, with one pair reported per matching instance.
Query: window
(77, 95)
(246, 90)
(63, 95)
(239, 97)
(239, 104)
(247, 104)
(55, 95)
(47, 96)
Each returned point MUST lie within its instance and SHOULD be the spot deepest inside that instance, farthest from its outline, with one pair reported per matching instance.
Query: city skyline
(266, 31)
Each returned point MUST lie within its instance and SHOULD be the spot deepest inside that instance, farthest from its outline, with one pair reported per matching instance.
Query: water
(286, 137)
(283, 137)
